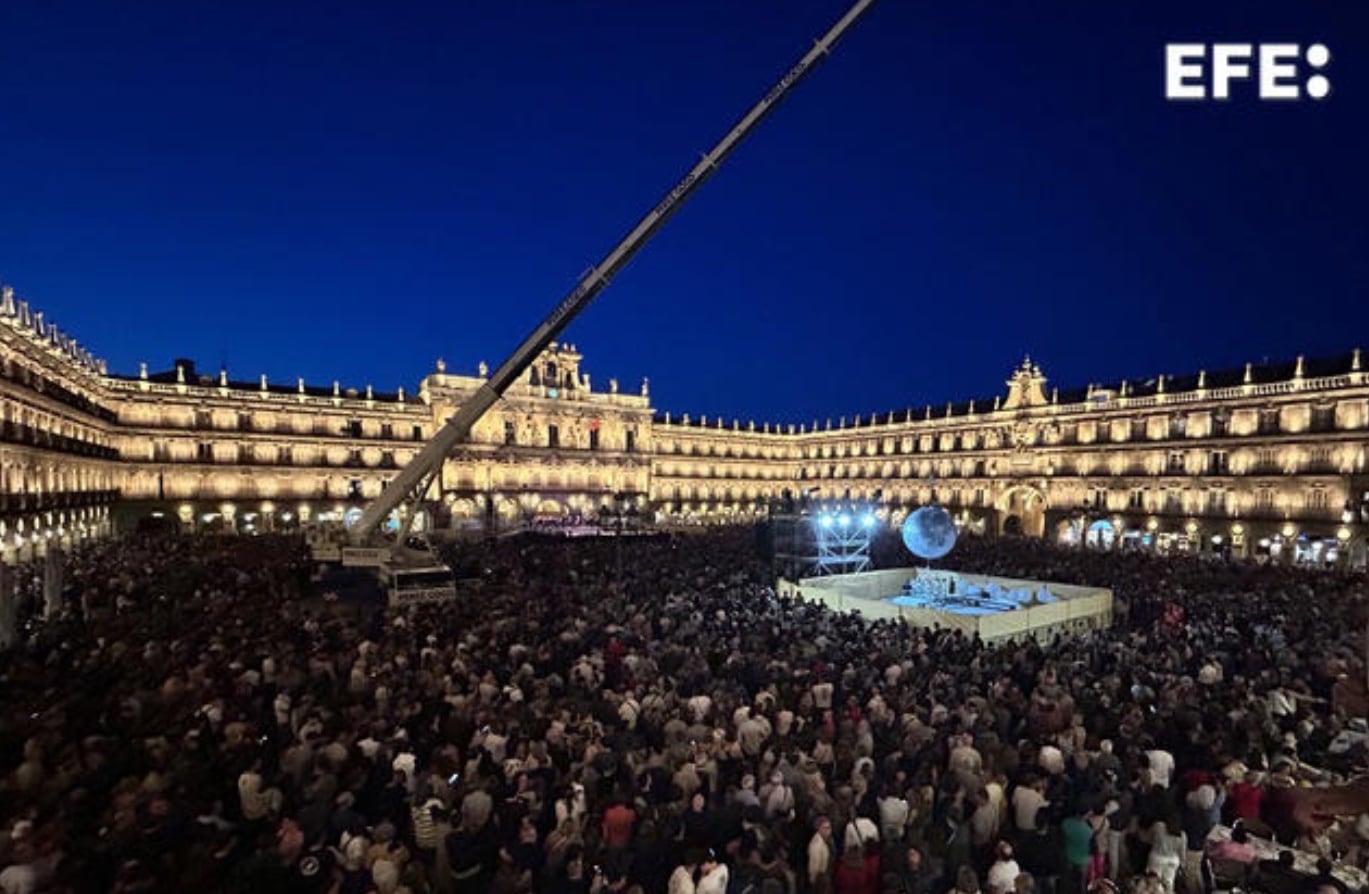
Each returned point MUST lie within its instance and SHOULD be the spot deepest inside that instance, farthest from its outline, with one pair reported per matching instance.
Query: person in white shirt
(1167, 849)
(1161, 765)
(965, 760)
(682, 879)
(746, 795)
(1003, 873)
(860, 832)
(752, 733)
(20, 878)
(893, 816)
(820, 857)
(699, 706)
(255, 802)
(712, 878)
(988, 815)
(629, 710)
(26, 873)
(1027, 800)
(776, 797)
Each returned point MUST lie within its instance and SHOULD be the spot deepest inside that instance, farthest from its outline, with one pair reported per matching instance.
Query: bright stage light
(825, 520)
(867, 520)
(844, 520)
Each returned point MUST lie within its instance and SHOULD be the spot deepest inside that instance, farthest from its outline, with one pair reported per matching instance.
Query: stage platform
(997, 608)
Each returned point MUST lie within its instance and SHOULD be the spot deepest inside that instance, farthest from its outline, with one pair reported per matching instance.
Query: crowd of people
(601, 717)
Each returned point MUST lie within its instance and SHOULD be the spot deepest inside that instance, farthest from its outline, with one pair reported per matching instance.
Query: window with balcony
(387, 430)
(1218, 463)
(630, 440)
(1323, 419)
(204, 452)
(1178, 426)
(1220, 424)
(1316, 499)
(1217, 501)
(204, 419)
(244, 422)
(510, 433)
(285, 455)
(1174, 462)
(1269, 422)
(353, 429)
(553, 436)
(1174, 501)
(594, 439)
(1136, 499)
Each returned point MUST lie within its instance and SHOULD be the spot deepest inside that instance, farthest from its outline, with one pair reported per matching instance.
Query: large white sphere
(929, 533)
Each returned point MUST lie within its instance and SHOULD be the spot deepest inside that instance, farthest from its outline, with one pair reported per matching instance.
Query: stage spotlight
(844, 520)
(825, 520)
(868, 520)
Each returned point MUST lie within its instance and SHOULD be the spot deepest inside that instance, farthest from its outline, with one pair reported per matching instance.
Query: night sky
(355, 190)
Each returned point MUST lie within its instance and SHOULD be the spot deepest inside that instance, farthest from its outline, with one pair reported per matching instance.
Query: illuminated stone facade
(1268, 459)
(221, 452)
(59, 468)
(1262, 460)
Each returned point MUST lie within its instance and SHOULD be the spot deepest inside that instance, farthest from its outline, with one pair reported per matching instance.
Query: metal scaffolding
(812, 540)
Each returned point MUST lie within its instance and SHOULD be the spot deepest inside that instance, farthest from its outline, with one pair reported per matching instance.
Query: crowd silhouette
(592, 716)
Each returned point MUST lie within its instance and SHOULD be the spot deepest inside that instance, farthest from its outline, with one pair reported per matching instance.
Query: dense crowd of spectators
(656, 719)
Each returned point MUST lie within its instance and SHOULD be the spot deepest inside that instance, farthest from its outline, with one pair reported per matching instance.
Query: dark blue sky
(354, 190)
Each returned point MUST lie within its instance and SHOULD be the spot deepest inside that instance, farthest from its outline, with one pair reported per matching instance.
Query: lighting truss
(843, 540)
(816, 540)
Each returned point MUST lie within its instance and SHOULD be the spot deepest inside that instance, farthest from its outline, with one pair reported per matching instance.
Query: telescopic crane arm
(415, 478)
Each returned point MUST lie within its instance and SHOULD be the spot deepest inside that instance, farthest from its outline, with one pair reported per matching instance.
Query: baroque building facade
(1264, 460)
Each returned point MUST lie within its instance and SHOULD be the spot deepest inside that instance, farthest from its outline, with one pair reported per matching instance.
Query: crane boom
(416, 477)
